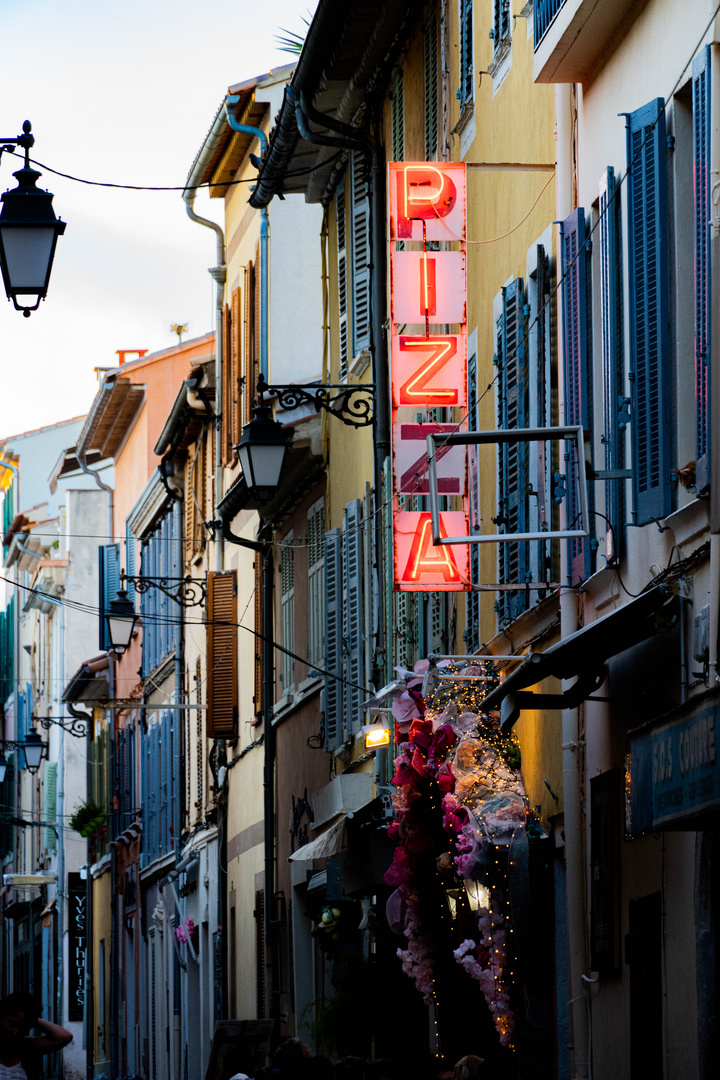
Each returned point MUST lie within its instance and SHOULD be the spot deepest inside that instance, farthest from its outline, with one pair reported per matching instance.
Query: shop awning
(329, 843)
(583, 655)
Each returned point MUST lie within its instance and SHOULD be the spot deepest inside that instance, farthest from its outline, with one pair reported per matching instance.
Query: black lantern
(34, 750)
(120, 621)
(261, 451)
(28, 233)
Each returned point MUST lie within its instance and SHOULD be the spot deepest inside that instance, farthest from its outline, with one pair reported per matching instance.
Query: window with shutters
(472, 599)
(234, 399)
(160, 614)
(438, 623)
(109, 583)
(342, 281)
(431, 76)
(315, 547)
(130, 560)
(196, 498)
(222, 656)
(500, 32)
(333, 695)
(7, 797)
(576, 374)
(249, 372)
(226, 410)
(360, 246)
(466, 89)
(615, 406)
(287, 612)
(651, 429)
(352, 640)
(397, 116)
(540, 352)
(405, 629)
(512, 457)
(50, 808)
(198, 804)
(701, 117)
(257, 327)
(159, 787)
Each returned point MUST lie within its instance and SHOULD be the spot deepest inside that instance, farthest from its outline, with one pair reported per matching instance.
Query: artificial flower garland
(448, 742)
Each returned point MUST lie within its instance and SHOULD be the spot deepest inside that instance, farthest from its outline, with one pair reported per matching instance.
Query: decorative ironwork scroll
(352, 404)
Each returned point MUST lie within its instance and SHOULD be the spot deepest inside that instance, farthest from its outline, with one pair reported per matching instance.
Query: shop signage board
(427, 203)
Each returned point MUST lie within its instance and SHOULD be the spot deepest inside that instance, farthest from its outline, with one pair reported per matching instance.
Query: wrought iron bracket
(73, 725)
(186, 591)
(351, 403)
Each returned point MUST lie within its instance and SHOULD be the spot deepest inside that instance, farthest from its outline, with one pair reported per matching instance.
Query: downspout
(259, 134)
(218, 274)
(349, 138)
(578, 1035)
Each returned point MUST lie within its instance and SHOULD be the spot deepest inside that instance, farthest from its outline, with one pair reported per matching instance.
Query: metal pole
(269, 776)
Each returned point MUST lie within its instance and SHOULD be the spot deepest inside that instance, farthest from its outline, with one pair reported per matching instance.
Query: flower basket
(87, 818)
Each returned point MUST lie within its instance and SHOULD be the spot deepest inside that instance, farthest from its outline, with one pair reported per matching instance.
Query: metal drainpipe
(573, 817)
(259, 134)
(218, 274)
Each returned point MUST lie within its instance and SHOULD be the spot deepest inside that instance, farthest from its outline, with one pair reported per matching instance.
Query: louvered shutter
(259, 643)
(403, 629)
(234, 400)
(225, 421)
(472, 599)
(512, 457)
(191, 472)
(388, 566)
(315, 557)
(649, 340)
(501, 22)
(163, 786)
(397, 117)
(250, 378)
(701, 103)
(360, 256)
(130, 560)
(576, 373)
(109, 583)
(430, 86)
(342, 281)
(333, 638)
(50, 810)
(222, 633)
(614, 402)
(466, 52)
(353, 617)
(144, 796)
(287, 612)
(257, 322)
(438, 622)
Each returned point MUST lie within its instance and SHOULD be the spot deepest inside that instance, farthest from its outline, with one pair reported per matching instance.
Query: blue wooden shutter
(512, 457)
(130, 559)
(360, 256)
(615, 418)
(397, 117)
(576, 372)
(333, 639)
(109, 583)
(465, 90)
(701, 100)
(342, 281)
(649, 339)
(352, 618)
(388, 566)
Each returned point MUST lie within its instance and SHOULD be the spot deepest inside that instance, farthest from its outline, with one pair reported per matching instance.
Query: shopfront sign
(675, 772)
(427, 204)
(78, 944)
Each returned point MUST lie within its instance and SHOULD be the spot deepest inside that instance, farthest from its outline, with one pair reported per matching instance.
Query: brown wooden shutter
(222, 656)
(226, 390)
(258, 328)
(259, 643)
(190, 511)
(249, 379)
(235, 372)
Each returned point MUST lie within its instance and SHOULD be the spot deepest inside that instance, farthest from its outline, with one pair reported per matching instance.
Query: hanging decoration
(455, 766)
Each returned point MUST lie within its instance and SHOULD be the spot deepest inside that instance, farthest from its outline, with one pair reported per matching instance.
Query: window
(540, 406)
(701, 108)
(615, 405)
(316, 578)
(160, 613)
(287, 612)
(576, 372)
(512, 458)
(465, 90)
(397, 117)
(430, 85)
(250, 354)
(222, 656)
(109, 583)
(500, 32)
(360, 238)
(649, 343)
(342, 279)
(158, 788)
(472, 599)
(344, 627)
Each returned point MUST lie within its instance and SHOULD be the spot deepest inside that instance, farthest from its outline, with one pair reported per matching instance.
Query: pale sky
(122, 92)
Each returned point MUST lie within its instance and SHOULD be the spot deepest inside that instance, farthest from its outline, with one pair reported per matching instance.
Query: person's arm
(53, 1037)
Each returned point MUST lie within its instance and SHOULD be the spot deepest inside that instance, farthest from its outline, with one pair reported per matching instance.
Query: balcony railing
(544, 13)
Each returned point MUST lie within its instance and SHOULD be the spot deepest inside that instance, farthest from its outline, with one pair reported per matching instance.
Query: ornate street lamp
(29, 230)
(34, 749)
(261, 450)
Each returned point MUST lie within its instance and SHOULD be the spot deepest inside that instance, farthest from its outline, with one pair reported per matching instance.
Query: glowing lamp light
(478, 895)
(376, 735)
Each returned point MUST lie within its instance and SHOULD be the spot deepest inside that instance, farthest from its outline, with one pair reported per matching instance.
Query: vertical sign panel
(77, 925)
